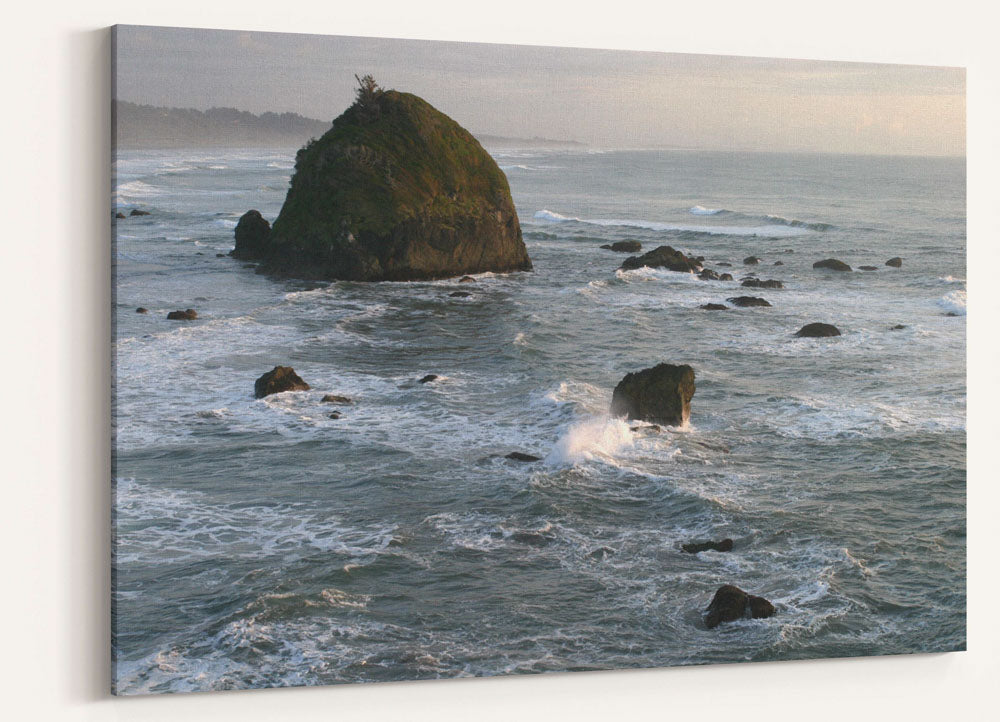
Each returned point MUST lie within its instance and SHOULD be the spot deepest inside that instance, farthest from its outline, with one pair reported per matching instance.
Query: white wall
(54, 300)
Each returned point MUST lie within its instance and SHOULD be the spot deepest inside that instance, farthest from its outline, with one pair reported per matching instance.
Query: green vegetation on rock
(394, 191)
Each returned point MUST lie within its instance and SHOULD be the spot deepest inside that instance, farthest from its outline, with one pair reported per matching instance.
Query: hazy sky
(609, 98)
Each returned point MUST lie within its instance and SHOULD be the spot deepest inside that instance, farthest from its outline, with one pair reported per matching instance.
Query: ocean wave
(774, 230)
(597, 438)
(702, 211)
(954, 302)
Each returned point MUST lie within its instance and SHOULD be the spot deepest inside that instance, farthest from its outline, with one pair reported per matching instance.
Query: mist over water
(262, 543)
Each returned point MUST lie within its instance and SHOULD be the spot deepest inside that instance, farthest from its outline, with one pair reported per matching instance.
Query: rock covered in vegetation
(832, 264)
(187, 315)
(623, 247)
(252, 232)
(726, 545)
(660, 394)
(757, 283)
(748, 301)
(394, 191)
(663, 257)
(731, 603)
(895, 262)
(278, 379)
(818, 330)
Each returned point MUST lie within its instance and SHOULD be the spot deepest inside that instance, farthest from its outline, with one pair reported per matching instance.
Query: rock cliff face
(394, 191)
(661, 394)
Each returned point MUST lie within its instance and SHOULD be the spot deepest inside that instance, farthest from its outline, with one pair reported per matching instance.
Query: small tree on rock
(367, 96)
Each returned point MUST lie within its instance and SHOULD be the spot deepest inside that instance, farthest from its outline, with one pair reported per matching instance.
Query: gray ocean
(261, 543)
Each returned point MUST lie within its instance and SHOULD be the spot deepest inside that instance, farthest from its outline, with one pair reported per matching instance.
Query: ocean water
(261, 543)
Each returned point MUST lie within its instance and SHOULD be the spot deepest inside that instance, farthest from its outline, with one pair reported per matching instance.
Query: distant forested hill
(147, 126)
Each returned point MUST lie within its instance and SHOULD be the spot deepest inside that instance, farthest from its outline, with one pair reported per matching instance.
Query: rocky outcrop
(119, 215)
(142, 309)
(895, 262)
(137, 212)
(277, 380)
(624, 247)
(714, 306)
(731, 603)
(751, 261)
(757, 283)
(335, 399)
(726, 545)
(394, 191)
(818, 330)
(747, 301)
(519, 456)
(867, 268)
(897, 327)
(428, 378)
(779, 263)
(186, 315)
(832, 264)
(252, 233)
(466, 279)
(661, 394)
(708, 275)
(663, 257)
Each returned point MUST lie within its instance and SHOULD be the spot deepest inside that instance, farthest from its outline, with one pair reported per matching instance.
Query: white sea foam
(597, 438)
(771, 230)
(954, 302)
(702, 211)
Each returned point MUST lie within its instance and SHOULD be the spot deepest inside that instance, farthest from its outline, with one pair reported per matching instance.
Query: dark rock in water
(747, 301)
(817, 330)
(395, 191)
(731, 603)
(119, 215)
(142, 310)
(531, 538)
(220, 255)
(187, 315)
(199, 253)
(757, 283)
(459, 294)
(252, 233)
(726, 545)
(895, 262)
(714, 307)
(779, 263)
(278, 379)
(624, 247)
(751, 261)
(601, 553)
(708, 275)
(663, 257)
(659, 394)
(951, 314)
(652, 428)
(137, 212)
(868, 268)
(832, 264)
(726, 265)
(518, 456)
(897, 327)
(428, 378)
(466, 279)
(726, 277)
(334, 415)
(334, 399)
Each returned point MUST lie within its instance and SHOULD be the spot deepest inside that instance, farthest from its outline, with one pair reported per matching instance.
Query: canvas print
(438, 360)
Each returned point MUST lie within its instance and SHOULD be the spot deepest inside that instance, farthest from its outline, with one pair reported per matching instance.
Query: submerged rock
(724, 264)
(779, 263)
(335, 399)
(895, 262)
(428, 378)
(459, 294)
(708, 275)
(119, 215)
(726, 277)
(186, 315)
(751, 261)
(277, 380)
(252, 233)
(757, 283)
(623, 247)
(868, 268)
(747, 301)
(466, 279)
(663, 257)
(897, 327)
(601, 553)
(818, 330)
(832, 264)
(137, 212)
(519, 456)
(531, 538)
(731, 603)
(395, 191)
(334, 415)
(660, 394)
(714, 307)
(141, 309)
(726, 545)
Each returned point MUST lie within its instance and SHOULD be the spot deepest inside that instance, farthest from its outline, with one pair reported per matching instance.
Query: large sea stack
(394, 191)
(661, 394)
